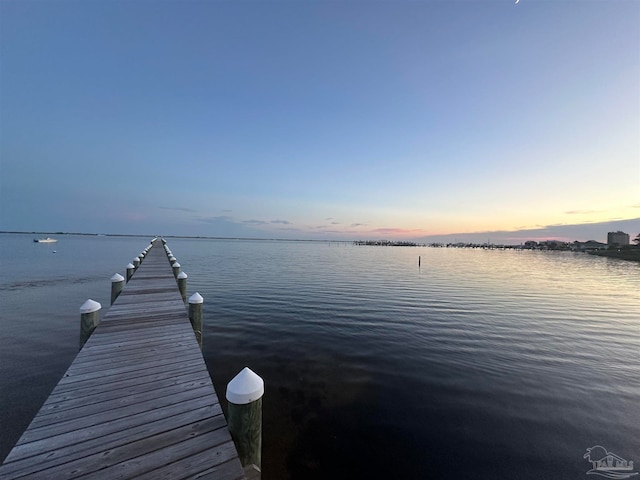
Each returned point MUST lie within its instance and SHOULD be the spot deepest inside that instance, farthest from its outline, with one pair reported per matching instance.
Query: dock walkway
(137, 402)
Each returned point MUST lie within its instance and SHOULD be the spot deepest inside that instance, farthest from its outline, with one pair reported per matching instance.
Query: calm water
(480, 364)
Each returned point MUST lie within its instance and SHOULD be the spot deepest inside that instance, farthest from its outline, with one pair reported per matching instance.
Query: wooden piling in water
(117, 284)
(195, 315)
(182, 285)
(89, 319)
(130, 269)
(244, 394)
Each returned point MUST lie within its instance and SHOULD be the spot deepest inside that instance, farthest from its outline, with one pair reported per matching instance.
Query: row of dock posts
(244, 392)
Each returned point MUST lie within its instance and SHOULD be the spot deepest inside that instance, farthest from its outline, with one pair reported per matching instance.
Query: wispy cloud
(282, 222)
(358, 224)
(335, 223)
(581, 212)
(397, 231)
(289, 229)
(219, 218)
(180, 209)
(255, 222)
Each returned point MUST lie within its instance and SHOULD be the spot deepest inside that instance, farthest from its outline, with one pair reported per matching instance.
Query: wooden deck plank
(158, 459)
(76, 439)
(126, 356)
(161, 371)
(131, 355)
(188, 437)
(133, 379)
(125, 400)
(38, 432)
(73, 377)
(226, 470)
(137, 402)
(69, 453)
(113, 339)
(64, 401)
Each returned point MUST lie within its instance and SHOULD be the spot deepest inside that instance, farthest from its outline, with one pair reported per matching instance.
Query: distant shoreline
(631, 254)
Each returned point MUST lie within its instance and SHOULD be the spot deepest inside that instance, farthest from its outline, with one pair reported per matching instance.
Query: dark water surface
(481, 364)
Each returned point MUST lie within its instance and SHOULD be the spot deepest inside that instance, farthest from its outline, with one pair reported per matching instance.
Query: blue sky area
(321, 119)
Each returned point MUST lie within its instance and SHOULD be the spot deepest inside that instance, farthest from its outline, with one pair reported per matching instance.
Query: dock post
(130, 269)
(195, 315)
(182, 285)
(244, 394)
(89, 319)
(176, 269)
(136, 262)
(117, 283)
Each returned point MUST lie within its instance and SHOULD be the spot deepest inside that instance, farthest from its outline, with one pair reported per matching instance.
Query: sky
(321, 119)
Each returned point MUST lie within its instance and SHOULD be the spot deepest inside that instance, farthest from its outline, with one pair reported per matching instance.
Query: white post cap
(137, 258)
(182, 275)
(117, 278)
(90, 306)
(175, 264)
(246, 387)
(196, 298)
(131, 265)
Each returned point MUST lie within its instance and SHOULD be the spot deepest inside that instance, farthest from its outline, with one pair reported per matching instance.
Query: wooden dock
(137, 402)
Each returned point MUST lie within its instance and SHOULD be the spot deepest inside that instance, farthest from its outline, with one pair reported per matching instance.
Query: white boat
(45, 240)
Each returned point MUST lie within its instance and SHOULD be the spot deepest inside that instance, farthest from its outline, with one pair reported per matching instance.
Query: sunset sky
(321, 119)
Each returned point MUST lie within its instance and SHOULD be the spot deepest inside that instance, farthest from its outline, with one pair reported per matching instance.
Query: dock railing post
(195, 315)
(130, 269)
(244, 394)
(117, 283)
(89, 319)
(176, 269)
(136, 262)
(182, 285)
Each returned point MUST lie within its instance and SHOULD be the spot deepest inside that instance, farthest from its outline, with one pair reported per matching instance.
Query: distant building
(617, 238)
(553, 245)
(589, 245)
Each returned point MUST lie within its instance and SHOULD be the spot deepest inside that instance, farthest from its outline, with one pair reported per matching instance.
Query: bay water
(477, 364)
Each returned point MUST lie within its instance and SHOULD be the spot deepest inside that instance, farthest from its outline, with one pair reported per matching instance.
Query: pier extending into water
(137, 402)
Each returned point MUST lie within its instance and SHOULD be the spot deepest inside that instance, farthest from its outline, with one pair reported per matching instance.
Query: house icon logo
(608, 464)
